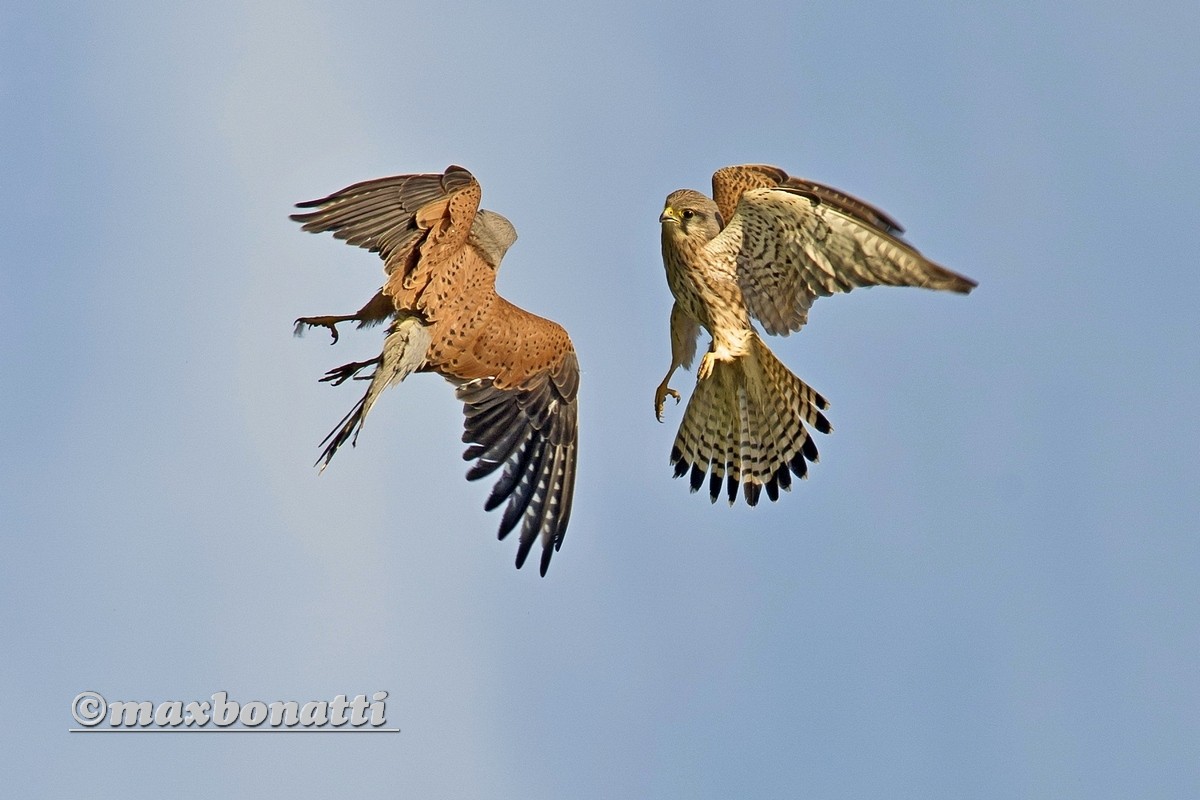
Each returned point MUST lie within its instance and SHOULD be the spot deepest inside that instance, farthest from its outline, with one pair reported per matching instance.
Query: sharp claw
(317, 322)
(660, 398)
(339, 375)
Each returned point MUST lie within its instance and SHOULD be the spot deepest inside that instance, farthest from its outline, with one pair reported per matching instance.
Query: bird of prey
(765, 247)
(516, 373)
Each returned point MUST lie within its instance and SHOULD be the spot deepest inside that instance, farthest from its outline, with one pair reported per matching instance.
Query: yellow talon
(320, 322)
(660, 397)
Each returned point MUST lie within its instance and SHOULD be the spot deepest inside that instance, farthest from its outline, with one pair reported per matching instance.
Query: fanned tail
(745, 424)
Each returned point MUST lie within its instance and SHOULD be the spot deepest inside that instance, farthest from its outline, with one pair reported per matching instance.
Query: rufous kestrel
(516, 373)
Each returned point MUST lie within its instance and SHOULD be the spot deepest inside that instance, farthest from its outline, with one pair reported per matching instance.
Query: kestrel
(765, 248)
(516, 373)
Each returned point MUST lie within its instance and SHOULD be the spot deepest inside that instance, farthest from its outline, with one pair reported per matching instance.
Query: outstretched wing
(793, 240)
(730, 183)
(417, 223)
(531, 429)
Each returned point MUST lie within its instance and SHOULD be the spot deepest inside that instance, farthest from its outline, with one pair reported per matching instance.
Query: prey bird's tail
(404, 351)
(745, 424)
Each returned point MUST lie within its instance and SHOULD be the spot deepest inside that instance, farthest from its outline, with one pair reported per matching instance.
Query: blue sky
(988, 587)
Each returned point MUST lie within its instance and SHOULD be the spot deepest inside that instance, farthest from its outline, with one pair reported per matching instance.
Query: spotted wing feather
(402, 217)
(797, 240)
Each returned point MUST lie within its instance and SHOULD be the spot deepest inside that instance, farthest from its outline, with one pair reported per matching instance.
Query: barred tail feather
(745, 425)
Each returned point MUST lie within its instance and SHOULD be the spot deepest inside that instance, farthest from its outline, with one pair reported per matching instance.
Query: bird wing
(418, 224)
(730, 183)
(792, 240)
(523, 415)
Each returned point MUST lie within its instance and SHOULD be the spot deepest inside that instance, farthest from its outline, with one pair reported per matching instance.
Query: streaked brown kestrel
(765, 248)
(516, 373)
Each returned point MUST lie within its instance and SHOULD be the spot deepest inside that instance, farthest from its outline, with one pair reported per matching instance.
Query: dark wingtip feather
(481, 469)
(493, 502)
(953, 282)
(697, 477)
(509, 521)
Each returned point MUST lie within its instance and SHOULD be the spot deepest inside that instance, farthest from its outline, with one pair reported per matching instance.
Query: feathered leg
(377, 309)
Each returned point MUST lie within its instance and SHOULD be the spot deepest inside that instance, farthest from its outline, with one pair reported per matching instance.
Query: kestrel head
(690, 215)
(493, 234)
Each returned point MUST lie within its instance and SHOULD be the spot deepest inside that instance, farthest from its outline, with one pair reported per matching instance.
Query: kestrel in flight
(516, 373)
(765, 248)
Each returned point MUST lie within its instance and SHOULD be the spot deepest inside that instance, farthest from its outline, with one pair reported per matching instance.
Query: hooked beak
(669, 214)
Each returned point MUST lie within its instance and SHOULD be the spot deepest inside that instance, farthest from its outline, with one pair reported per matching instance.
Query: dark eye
(688, 213)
